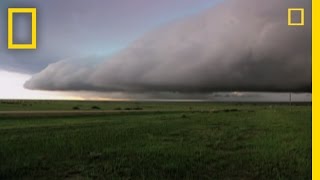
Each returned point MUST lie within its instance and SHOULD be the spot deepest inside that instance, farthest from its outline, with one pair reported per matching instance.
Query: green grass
(32, 105)
(14, 105)
(255, 142)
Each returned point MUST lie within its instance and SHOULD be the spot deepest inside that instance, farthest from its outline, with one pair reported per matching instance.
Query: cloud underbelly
(236, 46)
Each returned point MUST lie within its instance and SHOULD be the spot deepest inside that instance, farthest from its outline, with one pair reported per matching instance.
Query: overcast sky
(168, 49)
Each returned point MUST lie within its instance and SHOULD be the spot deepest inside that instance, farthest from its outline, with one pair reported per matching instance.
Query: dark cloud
(236, 46)
(81, 27)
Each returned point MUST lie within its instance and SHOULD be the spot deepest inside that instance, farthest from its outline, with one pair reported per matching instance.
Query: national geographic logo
(33, 12)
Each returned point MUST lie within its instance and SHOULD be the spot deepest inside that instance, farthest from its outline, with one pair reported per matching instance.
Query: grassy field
(155, 140)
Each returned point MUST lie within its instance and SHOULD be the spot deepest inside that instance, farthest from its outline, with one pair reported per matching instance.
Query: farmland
(154, 140)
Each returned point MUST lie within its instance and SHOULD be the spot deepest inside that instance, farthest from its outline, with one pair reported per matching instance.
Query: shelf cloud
(237, 45)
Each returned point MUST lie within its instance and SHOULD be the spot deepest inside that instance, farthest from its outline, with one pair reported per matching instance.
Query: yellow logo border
(11, 12)
(290, 23)
(315, 90)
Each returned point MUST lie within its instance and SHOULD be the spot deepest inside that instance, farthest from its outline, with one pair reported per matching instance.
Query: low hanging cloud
(238, 45)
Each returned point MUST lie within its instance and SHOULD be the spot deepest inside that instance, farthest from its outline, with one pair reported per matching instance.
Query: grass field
(155, 140)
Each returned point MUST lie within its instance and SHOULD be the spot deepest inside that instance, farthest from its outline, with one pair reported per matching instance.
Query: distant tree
(95, 107)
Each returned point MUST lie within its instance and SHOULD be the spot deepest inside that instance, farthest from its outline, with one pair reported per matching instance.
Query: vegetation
(196, 141)
(95, 107)
(75, 108)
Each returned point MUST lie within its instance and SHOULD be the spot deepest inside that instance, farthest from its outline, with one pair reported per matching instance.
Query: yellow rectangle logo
(33, 12)
(290, 23)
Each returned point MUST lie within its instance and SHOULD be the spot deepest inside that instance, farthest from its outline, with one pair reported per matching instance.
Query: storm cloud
(238, 45)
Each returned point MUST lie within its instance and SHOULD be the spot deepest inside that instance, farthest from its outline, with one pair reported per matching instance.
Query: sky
(169, 49)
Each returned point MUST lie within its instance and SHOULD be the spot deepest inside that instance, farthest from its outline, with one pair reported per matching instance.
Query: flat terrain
(154, 140)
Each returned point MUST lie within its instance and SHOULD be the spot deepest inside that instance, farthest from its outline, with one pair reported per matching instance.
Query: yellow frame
(290, 23)
(33, 12)
(315, 90)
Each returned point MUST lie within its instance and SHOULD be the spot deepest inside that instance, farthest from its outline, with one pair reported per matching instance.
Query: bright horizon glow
(12, 88)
